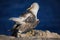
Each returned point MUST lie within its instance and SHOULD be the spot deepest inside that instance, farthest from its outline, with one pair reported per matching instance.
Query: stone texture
(34, 35)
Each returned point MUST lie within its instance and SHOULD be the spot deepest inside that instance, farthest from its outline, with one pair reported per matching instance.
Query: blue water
(49, 14)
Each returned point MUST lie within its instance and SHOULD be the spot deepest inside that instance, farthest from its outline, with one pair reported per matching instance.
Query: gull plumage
(28, 20)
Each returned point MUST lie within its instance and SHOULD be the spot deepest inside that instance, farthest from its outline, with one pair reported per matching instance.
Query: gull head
(34, 8)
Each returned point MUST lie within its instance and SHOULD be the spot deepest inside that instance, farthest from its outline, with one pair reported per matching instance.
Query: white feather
(34, 9)
(20, 20)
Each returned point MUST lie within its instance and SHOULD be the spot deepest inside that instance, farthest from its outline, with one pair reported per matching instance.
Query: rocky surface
(34, 35)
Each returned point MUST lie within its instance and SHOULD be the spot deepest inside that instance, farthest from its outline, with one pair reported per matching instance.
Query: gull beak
(29, 8)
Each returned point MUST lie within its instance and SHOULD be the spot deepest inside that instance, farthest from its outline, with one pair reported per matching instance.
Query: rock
(34, 35)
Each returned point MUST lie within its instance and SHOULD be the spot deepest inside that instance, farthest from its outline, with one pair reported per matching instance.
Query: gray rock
(39, 35)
